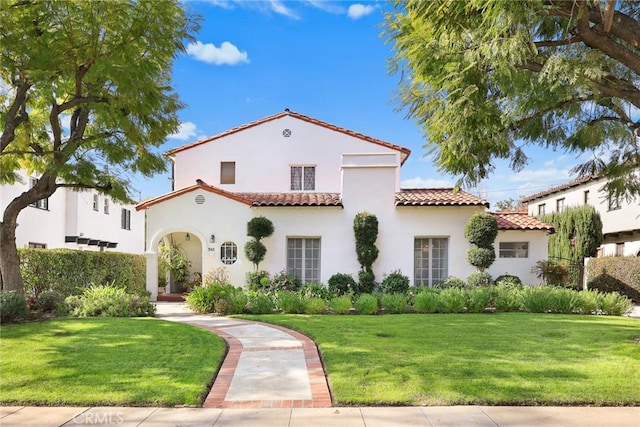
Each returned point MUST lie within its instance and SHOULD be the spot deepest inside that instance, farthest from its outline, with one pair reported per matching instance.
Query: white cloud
(278, 7)
(357, 11)
(419, 182)
(227, 53)
(187, 130)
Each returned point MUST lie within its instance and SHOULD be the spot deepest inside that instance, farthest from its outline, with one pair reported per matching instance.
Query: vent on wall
(199, 199)
(286, 133)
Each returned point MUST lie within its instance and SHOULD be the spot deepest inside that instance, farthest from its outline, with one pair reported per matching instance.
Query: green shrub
(366, 304)
(553, 273)
(451, 282)
(427, 301)
(395, 303)
(481, 229)
(284, 281)
(452, 300)
(566, 301)
(538, 300)
(394, 282)
(366, 282)
(201, 299)
(111, 301)
(315, 305)
(255, 252)
(259, 303)
(590, 301)
(477, 299)
(49, 301)
(508, 280)
(237, 301)
(216, 276)
(506, 298)
(257, 280)
(342, 284)
(315, 290)
(479, 279)
(615, 304)
(341, 304)
(481, 257)
(290, 302)
(615, 274)
(259, 228)
(13, 307)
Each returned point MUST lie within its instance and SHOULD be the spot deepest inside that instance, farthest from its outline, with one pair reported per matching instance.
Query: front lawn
(489, 359)
(106, 361)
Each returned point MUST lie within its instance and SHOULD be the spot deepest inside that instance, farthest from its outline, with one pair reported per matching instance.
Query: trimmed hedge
(619, 274)
(69, 271)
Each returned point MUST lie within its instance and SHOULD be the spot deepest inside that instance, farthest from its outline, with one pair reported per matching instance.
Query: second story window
(614, 203)
(303, 178)
(42, 203)
(586, 197)
(106, 206)
(541, 209)
(95, 202)
(227, 172)
(125, 219)
(560, 205)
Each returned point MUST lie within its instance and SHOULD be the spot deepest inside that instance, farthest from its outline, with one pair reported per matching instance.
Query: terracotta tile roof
(199, 186)
(437, 197)
(574, 183)
(511, 220)
(293, 199)
(404, 151)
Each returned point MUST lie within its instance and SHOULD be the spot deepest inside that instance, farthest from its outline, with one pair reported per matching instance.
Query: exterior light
(187, 237)
(212, 239)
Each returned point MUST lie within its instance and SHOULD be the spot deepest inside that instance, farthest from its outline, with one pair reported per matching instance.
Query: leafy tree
(104, 68)
(510, 204)
(485, 79)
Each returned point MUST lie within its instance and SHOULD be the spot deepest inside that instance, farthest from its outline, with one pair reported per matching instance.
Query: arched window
(228, 253)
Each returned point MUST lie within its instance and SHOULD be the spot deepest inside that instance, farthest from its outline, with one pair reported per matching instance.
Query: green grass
(499, 359)
(106, 361)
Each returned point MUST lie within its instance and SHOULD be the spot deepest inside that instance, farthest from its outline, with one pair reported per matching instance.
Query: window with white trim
(541, 209)
(95, 202)
(228, 253)
(303, 178)
(303, 258)
(42, 203)
(559, 205)
(430, 260)
(513, 250)
(106, 206)
(227, 172)
(35, 245)
(125, 219)
(614, 203)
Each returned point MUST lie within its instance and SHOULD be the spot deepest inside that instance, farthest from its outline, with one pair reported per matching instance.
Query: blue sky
(324, 59)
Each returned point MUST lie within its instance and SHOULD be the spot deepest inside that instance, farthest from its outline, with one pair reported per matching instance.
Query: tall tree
(85, 98)
(485, 79)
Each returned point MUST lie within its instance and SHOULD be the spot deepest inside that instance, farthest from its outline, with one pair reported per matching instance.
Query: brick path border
(320, 394)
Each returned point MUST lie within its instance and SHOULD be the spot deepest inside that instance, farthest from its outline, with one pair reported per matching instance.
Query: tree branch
(16, 115)
(539, 113)
(103, 188)
(554, 43)
(81, 100)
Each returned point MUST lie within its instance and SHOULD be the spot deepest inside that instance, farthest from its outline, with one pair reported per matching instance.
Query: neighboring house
(620, 217)
(84, 220)
(311, 178)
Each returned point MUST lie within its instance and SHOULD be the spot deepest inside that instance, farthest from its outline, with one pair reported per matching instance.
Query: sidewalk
(273, 377)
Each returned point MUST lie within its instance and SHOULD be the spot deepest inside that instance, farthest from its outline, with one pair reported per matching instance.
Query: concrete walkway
(272, 377)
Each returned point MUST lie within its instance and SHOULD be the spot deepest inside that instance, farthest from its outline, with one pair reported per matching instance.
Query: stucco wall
(520, 267)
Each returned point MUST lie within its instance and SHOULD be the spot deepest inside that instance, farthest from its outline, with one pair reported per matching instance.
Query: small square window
(303, 178)
(614, 203)
(227, 172)
(541, 209)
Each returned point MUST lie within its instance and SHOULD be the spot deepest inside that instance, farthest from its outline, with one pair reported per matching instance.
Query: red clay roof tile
(557, 188)
(519, 221)
(293, 199)
(437, 197)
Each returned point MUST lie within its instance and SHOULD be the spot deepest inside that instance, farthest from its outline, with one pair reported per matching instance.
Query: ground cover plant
(497, 359)
(107, 361)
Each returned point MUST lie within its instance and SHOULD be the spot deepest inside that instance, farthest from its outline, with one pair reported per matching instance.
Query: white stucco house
(311, 178)
(620, 217)
(83, 220)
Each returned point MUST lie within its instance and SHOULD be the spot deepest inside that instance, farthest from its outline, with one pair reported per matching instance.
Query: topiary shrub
(451, 282)
(395, 282)
(255, 252)
(481, 258)
(48, 301)
(365, 229)
(342, 284)
(481, 231)
(366, 304)
(508, 280)
(341, 304)
(13, 307)
(366, 282)
(479, 279)
(257, 280)
(257, 228)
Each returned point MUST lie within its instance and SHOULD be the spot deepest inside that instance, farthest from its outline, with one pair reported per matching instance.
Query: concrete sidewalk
(432, 416)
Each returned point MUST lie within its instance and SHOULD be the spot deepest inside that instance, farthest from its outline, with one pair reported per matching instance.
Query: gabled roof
(573, 183)
(516, 220)
(437, 197)
(199, 186)
(404, 151)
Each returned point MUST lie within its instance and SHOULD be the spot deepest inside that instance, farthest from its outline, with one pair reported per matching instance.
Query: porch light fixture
(212, 239)
(187, 237)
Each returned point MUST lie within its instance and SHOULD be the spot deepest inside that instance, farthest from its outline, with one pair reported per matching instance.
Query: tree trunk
(9, 260)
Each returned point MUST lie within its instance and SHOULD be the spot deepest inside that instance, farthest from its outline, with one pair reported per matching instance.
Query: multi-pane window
(106, 206)
(541, 209)
(228, 253)
(560, 205)
(430, 260)
(227, 172)
(303, 178)
(614, 203)
(37, 245)
(125, 219)
(586, 197)
(42, 203)
(514, 250)
(95, 202)
(303, 258)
